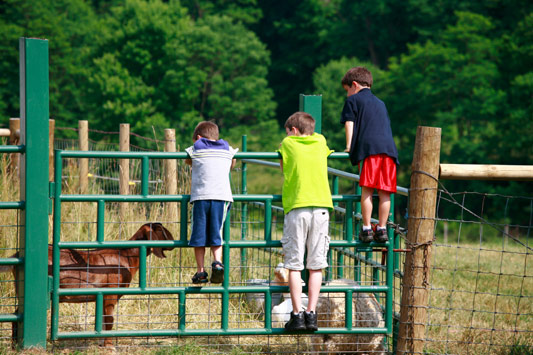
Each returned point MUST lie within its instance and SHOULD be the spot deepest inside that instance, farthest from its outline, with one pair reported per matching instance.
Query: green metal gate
(349, 242)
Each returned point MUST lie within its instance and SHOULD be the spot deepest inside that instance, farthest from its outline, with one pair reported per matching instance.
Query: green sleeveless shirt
(305, 172)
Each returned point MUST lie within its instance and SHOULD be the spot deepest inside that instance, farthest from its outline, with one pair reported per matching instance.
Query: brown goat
(103, 268)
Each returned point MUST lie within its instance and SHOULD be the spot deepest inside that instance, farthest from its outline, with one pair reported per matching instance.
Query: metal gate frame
(225, 289)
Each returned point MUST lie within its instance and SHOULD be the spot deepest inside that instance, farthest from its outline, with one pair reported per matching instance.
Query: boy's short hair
(301, 120)
(207, 130)
(361, 75)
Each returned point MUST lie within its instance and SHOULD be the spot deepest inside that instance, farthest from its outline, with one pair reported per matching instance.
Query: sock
(382, 228)
(365, 228)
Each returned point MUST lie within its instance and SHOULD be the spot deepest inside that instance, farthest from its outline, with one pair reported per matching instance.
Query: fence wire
(481, 282)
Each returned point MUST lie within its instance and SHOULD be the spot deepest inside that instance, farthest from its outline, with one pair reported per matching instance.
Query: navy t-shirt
(372, 133)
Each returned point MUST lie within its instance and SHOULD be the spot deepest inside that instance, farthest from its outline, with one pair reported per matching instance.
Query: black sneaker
(199, 278)
(217, 272)
(366, 235)
(311, 321)
(297, 322)
(381, 235)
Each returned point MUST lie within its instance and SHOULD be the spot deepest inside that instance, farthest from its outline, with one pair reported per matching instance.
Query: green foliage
(147, 63)
(219, 73)
(70, 26)
(245, 11)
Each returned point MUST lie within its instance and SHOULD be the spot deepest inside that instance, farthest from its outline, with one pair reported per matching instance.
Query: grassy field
(480, 300)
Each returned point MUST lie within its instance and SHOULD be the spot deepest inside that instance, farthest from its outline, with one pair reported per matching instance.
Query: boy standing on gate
(211, 159)
(306, 199)
(369, 140)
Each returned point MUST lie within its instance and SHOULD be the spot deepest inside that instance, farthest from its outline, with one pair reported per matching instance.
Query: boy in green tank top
(306, 202)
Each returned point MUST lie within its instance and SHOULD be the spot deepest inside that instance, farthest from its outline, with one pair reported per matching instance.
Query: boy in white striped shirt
(211, 159)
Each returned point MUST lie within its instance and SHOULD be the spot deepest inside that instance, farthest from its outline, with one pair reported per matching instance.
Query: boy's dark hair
(360, 75)
(207, 130)
(303, 121)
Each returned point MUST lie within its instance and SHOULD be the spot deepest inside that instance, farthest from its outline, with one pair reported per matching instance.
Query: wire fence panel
(481, 283)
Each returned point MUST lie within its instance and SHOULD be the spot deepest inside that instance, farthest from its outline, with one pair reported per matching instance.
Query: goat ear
(159, 252)
(143, 233)
(158, 233)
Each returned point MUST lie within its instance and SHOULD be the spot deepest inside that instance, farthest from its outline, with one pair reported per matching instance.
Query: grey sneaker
(297, 322)
(311, 321)
(366, 236)
(381, 235)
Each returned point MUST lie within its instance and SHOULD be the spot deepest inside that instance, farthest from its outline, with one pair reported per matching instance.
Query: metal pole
(83, 127)
(244, 211)
(312, 104)
(124, 167)
(34, 113)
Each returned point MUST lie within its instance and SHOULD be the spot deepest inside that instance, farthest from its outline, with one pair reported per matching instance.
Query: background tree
(158, 64)
(244, 11)
(71, 27)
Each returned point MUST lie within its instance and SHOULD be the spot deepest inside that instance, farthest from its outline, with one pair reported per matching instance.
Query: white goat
(366, 312)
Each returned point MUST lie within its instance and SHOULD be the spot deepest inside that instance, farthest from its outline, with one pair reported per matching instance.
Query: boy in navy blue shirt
(369, 140)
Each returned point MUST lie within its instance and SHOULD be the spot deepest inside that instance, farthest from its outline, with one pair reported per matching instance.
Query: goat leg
(109, 307)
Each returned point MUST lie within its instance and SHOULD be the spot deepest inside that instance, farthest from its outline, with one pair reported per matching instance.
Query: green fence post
(58, 169)
(335, 189)
(100, 218)
(226, 261)
(312, 104)
(244, 212)
(358, 224)
(34, 101)
(396, 242)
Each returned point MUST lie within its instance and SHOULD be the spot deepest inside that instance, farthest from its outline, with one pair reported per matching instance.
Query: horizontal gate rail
(12, 205)
(206, 290)
(213, 332)
(12, 149)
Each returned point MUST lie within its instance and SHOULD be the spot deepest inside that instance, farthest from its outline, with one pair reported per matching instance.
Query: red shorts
(379, 172)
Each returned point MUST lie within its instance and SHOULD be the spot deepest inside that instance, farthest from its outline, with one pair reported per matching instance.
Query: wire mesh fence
(481, 282)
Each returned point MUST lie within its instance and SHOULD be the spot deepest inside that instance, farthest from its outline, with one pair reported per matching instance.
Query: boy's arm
(188, 161)
(233, 161)
(348, 127)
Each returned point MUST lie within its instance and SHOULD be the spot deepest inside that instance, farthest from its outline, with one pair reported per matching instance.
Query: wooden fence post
(171, 184)
(124, 166)
(421, 227)
(51, 129)
(14, 139)
(83, 127)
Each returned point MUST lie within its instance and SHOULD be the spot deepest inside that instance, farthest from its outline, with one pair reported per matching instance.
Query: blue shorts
(208, 218)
